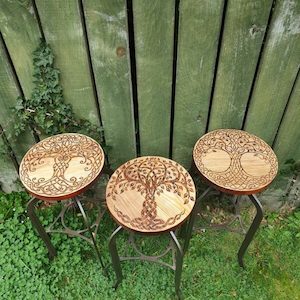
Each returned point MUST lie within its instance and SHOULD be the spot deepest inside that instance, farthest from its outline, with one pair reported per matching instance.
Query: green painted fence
(158, 74)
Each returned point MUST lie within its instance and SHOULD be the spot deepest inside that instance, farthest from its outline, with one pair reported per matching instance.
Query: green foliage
(4, 150)
(210, 266)
(293, 224)
(290, 167)
(46, 112)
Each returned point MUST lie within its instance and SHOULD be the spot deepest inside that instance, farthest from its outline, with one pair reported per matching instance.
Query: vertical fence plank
(277, 71)
(244, 30)
(154, 30)
(199, 27)
(63, 31)
(288, 138)
(8, 95)
(108, 39)
(20, 31)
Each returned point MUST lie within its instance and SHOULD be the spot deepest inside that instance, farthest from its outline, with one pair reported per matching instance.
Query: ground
(210, 268)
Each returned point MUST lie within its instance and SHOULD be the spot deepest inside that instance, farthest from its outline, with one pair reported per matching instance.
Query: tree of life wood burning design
(145, 185)
(61, 165)
(235, 160)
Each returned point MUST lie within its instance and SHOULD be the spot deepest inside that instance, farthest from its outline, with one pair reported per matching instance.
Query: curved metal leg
(252, 230)
(115, 256)
(87, 223)
(190, 224)
(39, 227)
(178, 262)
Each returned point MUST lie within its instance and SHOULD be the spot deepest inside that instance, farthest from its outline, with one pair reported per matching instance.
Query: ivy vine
(46, 111)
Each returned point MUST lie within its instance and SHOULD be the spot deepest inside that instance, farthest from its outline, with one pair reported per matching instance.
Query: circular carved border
(150, 177)
(235, 143)
(55, 154)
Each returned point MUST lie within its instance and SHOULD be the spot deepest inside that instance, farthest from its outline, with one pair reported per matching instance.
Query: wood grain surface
(277, 72)
(244, 30)
(63, 31)
(154, 31)
(199, 29)
(21, 33)
(61, 166)
(8, 95)
(288, 139)
(150, 194)
(108, 39)
(235, 161)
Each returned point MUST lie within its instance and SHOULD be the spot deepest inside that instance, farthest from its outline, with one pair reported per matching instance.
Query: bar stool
(60, 168)
(150, 195)
(238, 163)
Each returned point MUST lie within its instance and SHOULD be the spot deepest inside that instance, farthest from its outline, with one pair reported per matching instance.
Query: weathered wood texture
(21, 33)
(251, 84)
(278, 69)
(39, 168)
(244, 29)
(154, 31)
(287, 143)
(144, 196)
(63, 31)
(8, 173)
(107, 33)
(8, 95)
(199, 27)
(235, 161)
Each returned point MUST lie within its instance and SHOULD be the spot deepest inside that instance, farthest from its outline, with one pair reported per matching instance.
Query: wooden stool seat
(61, 166)
(235, 161)
(150, 194)
(238, 163)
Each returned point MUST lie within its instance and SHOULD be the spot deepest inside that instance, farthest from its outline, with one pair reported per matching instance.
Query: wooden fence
(158, 74)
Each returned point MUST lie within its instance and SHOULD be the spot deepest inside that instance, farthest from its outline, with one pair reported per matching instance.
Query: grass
(210, 268)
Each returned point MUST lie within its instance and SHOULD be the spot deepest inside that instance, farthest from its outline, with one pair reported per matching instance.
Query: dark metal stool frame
(224, 172)
(249, 234)
(174, 246)
(56, 153)
(75, 201)
(44, 234)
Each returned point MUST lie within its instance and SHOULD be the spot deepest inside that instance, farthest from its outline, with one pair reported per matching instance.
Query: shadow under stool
(237, 163)
(59, 169)
(150, 196)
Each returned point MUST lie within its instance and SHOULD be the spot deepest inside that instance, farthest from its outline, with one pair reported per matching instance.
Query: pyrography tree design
(235, 143)
(61, 149)
(151, 176)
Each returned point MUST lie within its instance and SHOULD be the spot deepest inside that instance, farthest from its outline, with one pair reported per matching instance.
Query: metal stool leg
(115, 256)
(190, 224)
(87, 223)
(252, 230)
(178, 262)
(39, 227)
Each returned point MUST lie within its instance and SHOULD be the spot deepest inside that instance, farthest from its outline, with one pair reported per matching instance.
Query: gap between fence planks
(277, 72)
(244, 30)
(8, 95)
(20, 31)
(199, 27)
(288, 139)
(154, 32)
(65, 35)
(108, 38)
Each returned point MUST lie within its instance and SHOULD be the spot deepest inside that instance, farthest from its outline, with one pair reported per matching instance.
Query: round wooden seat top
(150, 194)
(61, 166)
(235, 161)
